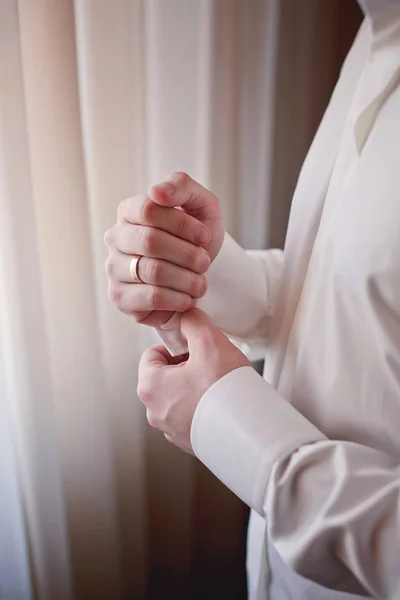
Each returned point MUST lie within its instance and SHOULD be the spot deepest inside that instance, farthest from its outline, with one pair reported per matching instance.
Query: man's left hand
(171, 389)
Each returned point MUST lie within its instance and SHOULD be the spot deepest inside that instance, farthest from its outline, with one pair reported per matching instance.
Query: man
(314, 448)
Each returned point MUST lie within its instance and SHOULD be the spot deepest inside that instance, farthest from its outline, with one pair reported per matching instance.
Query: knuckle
(193, 285)
(193, 256)
(197, 257)
(180, 178)
(144, 392)
(152, 270)
(185, 301)
(123, 208)
(181, 226)
(126, 238)
(149, 240)
(147, 208)
(197, 285)
(109, 237)
(155, 296)
(153, 420)
(110, 268)
(115, 294)
(128, 209)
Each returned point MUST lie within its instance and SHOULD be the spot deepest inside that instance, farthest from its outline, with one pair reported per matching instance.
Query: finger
(141, 210)
(150, 368)
(138, 297)
(156, 272)
(157, 356)
(179, 189)
(154, 358)
(153, 243)
(200, 332)
(159, 353)
(154, 318)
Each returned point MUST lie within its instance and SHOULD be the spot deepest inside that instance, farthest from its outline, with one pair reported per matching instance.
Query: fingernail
(164, 186)
(201, 235)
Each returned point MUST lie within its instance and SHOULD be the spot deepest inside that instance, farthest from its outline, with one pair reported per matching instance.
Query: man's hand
(178, 230)
(171, 390)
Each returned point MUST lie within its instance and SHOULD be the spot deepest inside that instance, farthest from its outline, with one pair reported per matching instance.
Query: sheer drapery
(99, 98)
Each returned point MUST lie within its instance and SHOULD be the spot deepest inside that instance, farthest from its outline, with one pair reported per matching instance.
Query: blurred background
(98, 99)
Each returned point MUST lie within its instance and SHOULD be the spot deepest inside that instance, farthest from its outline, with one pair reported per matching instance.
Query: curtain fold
(26, 394)
(98, 99)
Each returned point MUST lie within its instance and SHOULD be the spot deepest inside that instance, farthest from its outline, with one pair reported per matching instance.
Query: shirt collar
(382, 71)
(383, 17)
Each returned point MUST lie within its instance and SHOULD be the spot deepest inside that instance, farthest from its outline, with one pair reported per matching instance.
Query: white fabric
(316, 450)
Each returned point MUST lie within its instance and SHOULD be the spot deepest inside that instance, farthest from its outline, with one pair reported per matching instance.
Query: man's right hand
(178, 230)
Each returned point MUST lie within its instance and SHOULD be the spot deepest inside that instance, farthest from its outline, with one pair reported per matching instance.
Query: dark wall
(314, 38)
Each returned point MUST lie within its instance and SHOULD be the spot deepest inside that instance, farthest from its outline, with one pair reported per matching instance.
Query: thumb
(200, 332)
(153, 358)
(181, 190)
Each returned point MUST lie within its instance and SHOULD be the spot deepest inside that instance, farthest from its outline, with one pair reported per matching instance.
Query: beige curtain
(98, 98)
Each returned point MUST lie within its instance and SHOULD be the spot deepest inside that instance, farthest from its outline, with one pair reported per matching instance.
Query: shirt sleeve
(332, 507)
(242, 290)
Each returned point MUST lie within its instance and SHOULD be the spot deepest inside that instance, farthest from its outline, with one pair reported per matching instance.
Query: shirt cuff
(241, 427)
(236, 299)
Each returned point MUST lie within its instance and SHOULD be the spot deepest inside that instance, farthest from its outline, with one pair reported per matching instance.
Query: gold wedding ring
(134, 268)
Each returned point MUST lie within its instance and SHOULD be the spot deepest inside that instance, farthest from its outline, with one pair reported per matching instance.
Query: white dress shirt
(314, 446)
